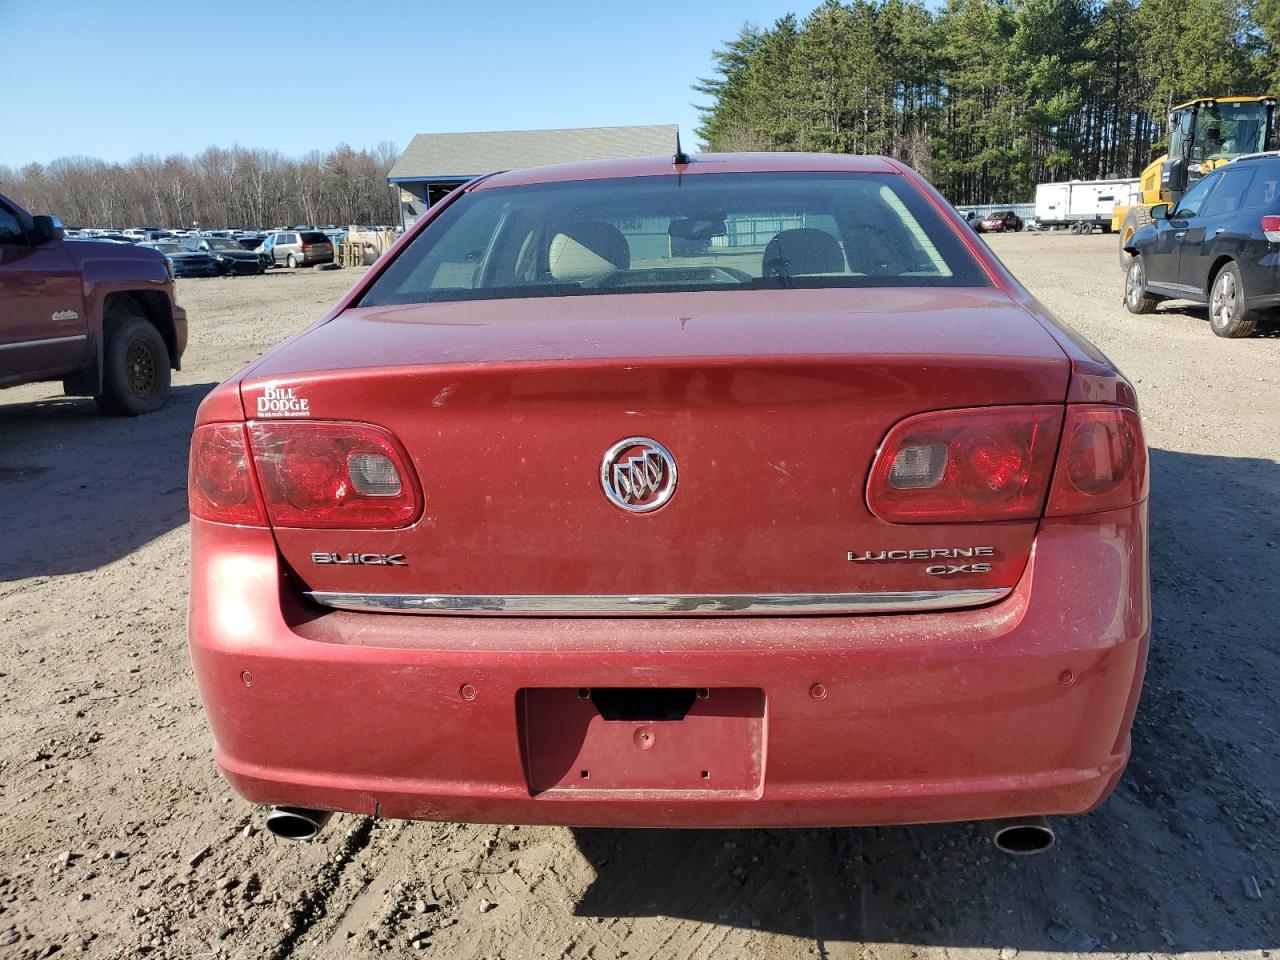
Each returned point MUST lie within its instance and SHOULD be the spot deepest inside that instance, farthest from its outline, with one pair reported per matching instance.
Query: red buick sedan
(744, 491)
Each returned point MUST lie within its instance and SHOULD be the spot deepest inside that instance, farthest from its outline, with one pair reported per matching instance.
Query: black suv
(1219, 245)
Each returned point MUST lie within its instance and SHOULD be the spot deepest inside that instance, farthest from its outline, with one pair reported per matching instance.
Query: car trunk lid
(771, 403)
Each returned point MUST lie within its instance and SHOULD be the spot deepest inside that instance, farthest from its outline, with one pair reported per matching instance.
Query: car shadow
(1268, 327)
(1183, 857)
(84, 489)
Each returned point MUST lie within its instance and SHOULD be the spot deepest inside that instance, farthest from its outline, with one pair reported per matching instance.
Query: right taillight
(965, 466)
(1102, 462)
(1271, 228)
(998, 463)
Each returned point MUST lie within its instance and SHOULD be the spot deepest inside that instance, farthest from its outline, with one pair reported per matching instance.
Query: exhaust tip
(1022, 836)
(296, 823)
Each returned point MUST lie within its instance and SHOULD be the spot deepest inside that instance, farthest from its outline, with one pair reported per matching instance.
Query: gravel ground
(119, 838)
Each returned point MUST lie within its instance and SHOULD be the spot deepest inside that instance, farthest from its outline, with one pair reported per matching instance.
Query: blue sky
(115, 79)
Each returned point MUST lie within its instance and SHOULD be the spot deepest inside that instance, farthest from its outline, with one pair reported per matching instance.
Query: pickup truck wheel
(1136, 298)
(292, 261)
(1228, 315)
(135, 375)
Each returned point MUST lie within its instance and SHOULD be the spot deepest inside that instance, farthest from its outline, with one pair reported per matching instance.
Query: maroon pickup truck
(98, 316)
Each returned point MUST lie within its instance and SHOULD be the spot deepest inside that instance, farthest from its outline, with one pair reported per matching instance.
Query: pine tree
(987, 97)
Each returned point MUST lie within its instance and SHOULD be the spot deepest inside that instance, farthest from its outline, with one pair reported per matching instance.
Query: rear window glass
(668, 233)
(1226, 199)
(1265, 186)
(314, 238)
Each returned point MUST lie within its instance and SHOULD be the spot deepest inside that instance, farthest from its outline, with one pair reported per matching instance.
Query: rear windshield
(669, 233)
(314, 238)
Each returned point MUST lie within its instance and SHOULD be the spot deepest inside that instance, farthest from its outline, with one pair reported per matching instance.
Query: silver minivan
(298, 248)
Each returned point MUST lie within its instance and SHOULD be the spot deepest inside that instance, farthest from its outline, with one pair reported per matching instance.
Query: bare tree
(386, 153)
(236, 187)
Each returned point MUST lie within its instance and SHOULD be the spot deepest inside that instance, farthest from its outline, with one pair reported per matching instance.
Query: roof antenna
(681, 158)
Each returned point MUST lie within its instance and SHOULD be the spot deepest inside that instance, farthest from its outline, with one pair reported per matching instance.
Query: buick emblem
(638, 474)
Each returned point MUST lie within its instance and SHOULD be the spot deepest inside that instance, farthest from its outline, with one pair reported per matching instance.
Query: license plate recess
(642, 739)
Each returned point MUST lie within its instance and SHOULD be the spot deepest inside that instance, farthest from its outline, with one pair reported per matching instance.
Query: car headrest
(801, 251)
(587, 249)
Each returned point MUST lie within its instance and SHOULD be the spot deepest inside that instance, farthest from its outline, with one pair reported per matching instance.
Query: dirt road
(119, 838)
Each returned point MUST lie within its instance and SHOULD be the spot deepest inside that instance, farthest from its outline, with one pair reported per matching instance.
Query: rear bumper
(1023, 707)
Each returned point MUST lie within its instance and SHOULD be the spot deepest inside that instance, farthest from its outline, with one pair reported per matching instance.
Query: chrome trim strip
(42, 343)
(660, 604)
(1179, 287)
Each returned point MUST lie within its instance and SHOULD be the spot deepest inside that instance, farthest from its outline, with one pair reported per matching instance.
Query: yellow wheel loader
(1204, 134)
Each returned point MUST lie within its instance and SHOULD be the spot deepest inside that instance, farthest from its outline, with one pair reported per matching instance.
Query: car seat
(804, 250)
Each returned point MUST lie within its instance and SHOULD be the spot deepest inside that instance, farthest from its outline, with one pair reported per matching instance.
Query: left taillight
(1271, 228)
(311, 474)
(219, 482)
(332, 475)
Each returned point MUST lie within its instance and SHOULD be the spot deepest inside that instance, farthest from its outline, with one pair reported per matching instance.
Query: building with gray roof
(436, 163)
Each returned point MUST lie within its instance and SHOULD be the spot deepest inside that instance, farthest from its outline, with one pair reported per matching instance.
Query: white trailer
(1083, 204)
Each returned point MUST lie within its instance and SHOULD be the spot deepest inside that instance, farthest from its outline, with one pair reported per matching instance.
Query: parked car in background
(598, 504)
(254, 246)
(184, 261)
(100, 317)
(298, 248)
(228, 255)
(1005, 221)
(1216, 246)
(254, 241)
